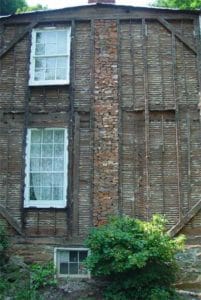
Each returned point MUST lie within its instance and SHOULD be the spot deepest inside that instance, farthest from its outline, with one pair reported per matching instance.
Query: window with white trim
(50, 56)
(46, 168)
(69, 262)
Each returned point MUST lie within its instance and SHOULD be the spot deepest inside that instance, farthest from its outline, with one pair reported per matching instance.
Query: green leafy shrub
(136, 258)
(16, 286)
(43, 275)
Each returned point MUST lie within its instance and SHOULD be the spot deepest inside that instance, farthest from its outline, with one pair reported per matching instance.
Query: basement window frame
(47, 203)
(57, 261)
(51, 56)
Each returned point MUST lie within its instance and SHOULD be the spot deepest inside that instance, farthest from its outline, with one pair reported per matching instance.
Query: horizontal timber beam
(171, 28)
(6, 215)
(17, 39)
(185, 219)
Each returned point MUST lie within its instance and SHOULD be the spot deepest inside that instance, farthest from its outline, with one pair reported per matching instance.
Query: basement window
(69, 262)
(50, 56)
(46, 168)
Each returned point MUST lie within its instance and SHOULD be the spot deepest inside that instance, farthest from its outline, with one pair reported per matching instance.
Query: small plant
(43, 275)
(3, 238)
(136, 258)
(4, 243)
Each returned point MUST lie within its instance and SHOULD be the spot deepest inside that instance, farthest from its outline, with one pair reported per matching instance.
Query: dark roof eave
(128, 7)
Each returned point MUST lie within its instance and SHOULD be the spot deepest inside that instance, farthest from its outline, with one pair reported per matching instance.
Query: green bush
(20, 288)
(43, 275)
(136, 258)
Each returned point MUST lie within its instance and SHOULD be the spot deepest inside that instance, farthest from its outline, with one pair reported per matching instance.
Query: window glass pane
(34, 193)
(47, 150)
(46, 164)
(46, 193)
(73, 268)
(82, 255)
(61, 62)
(50, 74)
(35, 150)
(51, 49)
(58, 179)
(63, 256)
(59, 136)
(57, 193)
(73, 256)
(35, 164)
(46, 180)
(51, 63)
(63, 268)
(47, 136)
(40, 37)
(58, 150)
(58, 164)
(50, 36)
(35, 136)
(40, 63)
(40, 49)
(61, 74)
(35, 179)
(39, 74)
(61, 42)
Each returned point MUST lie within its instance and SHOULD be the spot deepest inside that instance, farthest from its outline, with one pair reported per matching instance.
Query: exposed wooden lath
(5, 214)
(18, 38)
(171, 28)
(185, 219)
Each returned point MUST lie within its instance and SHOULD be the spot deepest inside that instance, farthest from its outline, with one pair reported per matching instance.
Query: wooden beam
(18, 38)
(171, 28)
(185, 219)
(5, 214)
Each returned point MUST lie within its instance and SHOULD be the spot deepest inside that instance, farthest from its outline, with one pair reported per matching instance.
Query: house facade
(99, 115)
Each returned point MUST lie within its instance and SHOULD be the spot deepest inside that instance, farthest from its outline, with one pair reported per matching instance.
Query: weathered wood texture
(171, 86)
(45, 107)
(132, 114)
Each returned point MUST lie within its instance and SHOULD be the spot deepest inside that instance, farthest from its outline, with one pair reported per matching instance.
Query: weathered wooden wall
(148, 112)
(22, 107)
(160, 119)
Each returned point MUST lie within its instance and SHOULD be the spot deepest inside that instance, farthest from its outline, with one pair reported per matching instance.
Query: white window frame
(32, 81)
(57, 249)
(45, 203)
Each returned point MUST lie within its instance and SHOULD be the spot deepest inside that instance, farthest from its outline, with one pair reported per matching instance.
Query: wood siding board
(76, 175)
(91, 117)
(82, 65)
(146, 107)
(7, 215)
(120, 123)
(179, 36)
(18, 38)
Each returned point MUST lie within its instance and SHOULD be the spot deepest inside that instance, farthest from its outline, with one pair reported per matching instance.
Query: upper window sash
(49, 51)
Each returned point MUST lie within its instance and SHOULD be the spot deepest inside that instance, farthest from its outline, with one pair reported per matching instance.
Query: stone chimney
(101, 1)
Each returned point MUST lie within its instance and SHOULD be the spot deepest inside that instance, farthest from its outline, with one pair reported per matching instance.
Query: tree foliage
(182, 4)
(31, 8)
(8, 7)
(137, 258)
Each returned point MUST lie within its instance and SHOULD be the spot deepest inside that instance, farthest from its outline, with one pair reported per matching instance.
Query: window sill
(52, 82)
(45, 205)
